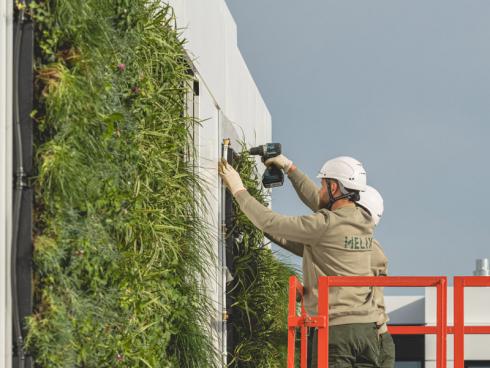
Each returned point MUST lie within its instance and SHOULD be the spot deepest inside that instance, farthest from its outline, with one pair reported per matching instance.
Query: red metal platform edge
(303, 321)
(441, 330)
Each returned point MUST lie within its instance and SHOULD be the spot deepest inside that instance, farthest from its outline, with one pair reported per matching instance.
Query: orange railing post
(441, 323)
(458, 322)
(323, 294)
(459, 330)
(304, 341)
(294, 287)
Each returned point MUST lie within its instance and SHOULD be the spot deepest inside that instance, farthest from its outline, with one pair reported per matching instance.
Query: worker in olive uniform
(336, 241)
(372, 202)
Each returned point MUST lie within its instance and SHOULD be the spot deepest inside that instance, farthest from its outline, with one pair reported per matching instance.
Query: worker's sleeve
(300, 229)
(379, 265)
(306, 189)
(379, 262)
(293, 247)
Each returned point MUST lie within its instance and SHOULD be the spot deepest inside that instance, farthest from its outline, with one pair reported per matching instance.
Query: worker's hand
(281, 162)
(230, 177)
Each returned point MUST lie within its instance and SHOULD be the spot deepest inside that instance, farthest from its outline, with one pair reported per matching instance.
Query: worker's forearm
(379, 262)
(378, 296)
(301, 229)
(293, 247)
(306, 189)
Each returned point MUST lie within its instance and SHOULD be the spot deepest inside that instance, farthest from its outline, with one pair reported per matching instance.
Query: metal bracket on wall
(229, 155)
(225, 334)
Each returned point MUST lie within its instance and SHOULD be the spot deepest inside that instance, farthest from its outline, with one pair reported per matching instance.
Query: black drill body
(273, 176)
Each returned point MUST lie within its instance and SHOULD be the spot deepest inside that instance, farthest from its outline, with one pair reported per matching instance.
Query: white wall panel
(476, 348)
(230, 106)
(477, 305)
(203, 28)
(242, 104)
(6, 35)
(406, 310)
(211, 33)
(477, 312)
(208, 156)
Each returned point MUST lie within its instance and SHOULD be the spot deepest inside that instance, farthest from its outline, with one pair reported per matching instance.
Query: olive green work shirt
(332, 243)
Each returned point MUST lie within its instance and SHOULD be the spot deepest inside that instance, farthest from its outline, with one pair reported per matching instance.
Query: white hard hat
(347, 170)
(373, 202)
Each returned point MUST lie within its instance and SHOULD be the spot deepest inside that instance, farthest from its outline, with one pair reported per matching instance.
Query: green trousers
(351, 345)
(387, 359)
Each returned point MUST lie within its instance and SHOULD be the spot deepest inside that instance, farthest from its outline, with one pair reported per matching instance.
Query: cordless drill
(273, 176)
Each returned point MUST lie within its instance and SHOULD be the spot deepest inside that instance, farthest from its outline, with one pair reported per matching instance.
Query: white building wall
(6, 22)
(477, 312)
(209, 153)
(404, 310)
(420, 310)
(230, 106)
(211, 37)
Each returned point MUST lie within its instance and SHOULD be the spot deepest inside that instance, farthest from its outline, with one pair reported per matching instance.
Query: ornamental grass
(120, 251)
(259, 287)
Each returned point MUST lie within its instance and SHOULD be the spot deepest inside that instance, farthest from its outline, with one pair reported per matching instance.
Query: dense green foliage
(259, 286)
(119, 248)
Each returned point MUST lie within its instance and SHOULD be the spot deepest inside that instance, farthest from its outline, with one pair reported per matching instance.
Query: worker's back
(344, 249)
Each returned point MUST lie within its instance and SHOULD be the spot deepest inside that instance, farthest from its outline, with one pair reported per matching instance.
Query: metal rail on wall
(228, 260)
(225, 155)
(441, 329)
(230, 155)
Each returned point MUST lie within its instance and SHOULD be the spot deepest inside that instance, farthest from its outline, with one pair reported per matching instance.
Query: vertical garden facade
(130, 110)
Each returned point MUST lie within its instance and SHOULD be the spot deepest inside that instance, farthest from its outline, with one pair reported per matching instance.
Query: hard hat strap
(331, 199)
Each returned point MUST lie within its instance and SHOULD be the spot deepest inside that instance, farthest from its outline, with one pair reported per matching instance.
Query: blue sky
(403, 86)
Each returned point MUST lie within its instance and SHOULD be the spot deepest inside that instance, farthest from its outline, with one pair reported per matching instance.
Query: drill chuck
(257, 151)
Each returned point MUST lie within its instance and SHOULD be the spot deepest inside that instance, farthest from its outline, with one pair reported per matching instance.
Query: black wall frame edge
(24, 78)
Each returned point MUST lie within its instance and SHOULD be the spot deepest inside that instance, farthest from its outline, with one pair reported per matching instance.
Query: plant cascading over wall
(119, 246)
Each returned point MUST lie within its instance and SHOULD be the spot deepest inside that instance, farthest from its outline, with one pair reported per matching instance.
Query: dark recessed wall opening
(477, 364)
(410, 351)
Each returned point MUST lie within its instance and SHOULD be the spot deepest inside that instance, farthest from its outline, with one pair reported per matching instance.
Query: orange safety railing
(460, 282)
(303, 321)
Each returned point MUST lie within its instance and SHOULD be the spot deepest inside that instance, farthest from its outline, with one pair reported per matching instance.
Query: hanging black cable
(20, 184)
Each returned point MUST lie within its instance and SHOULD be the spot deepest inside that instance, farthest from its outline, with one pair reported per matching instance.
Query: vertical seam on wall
(6, 24)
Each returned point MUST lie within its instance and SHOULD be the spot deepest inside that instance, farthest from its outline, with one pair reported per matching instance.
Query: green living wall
(120, 250)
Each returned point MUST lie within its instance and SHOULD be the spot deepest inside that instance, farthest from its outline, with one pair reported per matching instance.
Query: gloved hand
(281, 162)
(230, 177)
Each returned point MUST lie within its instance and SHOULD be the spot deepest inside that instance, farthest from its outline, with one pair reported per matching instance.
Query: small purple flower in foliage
(136, 90)
(121, 67)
